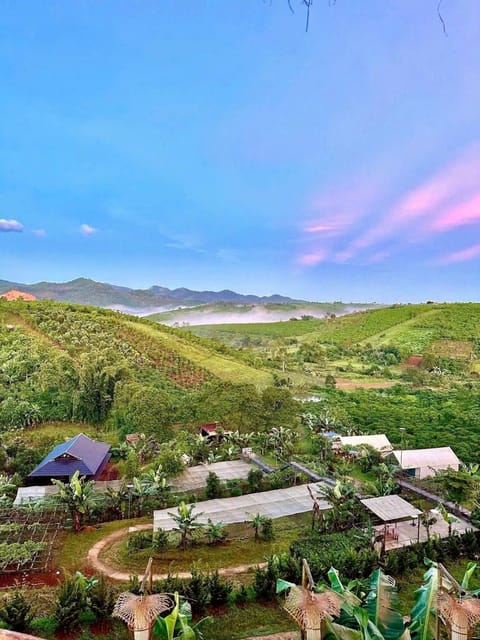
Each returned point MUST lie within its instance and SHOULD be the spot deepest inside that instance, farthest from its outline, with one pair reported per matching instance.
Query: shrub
(265, 582)
(255, 480)
(213, 486)
(139, 540)
(160, 540)
(71, 603)
(219, 589)
(16, 612)
(267, 529)
(241, 596)
(44, 627)
(198, 590)
(102, 598)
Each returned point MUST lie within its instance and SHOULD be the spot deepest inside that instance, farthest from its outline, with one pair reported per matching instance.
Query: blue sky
(215, 144)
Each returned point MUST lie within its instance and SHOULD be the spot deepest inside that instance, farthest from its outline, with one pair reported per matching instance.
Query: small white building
(422, 463)
(380, 442)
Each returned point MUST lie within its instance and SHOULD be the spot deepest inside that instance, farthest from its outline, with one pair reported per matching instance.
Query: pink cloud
(463, 213)
(436, 204)
(461, 256)
(312, 259)
(321, 228)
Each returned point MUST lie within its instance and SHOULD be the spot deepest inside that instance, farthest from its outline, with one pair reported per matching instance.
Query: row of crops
(28, 538)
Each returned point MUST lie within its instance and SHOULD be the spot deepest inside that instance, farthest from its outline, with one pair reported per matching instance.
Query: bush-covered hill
(67, 362)
(377, 342)
(415, 326)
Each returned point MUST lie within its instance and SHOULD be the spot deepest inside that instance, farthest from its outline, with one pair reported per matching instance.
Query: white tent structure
(380, 442)
(422, 463)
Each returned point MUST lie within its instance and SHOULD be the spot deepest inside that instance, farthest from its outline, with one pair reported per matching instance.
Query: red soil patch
(414, 361)
(32, 580)
(347, 385)
(13, 294)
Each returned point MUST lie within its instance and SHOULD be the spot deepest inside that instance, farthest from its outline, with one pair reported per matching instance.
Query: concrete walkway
(449, 506)
(120, 576)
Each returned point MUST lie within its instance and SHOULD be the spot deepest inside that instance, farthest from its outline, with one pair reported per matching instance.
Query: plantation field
(354, 347)
(222, 313)
(222, 367)
(413, 325)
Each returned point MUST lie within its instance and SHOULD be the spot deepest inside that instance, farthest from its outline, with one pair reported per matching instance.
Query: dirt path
(94, 561)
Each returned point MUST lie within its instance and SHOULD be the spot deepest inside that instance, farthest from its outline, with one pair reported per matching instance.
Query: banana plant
(177, 625)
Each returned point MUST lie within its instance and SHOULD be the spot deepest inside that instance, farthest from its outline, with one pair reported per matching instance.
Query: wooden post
(437, 626)
(147, 576)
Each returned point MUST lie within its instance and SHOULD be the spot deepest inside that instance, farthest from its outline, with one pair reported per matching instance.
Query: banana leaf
(383, 607)
(284, 585)
(335, 631)
(423, 614)
(471, 566)
(368, 629)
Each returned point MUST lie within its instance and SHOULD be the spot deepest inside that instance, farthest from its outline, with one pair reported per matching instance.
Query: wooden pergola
(390, 510)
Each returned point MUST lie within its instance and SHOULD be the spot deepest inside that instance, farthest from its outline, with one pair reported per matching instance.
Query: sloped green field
(413, 327)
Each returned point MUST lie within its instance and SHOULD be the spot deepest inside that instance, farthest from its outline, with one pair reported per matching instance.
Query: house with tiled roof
(81, 453)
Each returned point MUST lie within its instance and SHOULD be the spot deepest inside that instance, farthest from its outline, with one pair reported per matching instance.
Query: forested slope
(68, 362)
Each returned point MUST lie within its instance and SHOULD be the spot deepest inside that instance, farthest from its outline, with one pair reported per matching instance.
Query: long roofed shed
(378, 441)
(424, 462)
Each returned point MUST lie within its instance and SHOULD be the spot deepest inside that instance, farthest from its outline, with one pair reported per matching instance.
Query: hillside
(370, 343)
(233, 313)
(66, 362)
(102, 294)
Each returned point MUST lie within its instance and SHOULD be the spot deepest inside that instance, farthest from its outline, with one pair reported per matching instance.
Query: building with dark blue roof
(81, 454)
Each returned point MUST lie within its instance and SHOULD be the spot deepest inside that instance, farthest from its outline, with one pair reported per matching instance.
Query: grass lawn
(253, 619)
(50, 433)
(240, 548)
(73, 552)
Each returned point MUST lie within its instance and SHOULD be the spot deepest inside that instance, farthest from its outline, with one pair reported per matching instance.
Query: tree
(215, 532)
(186, 522)
(330, 381)
(213, 487)
(428, 520)
(77, 496)
(256, 522)
(155, 480)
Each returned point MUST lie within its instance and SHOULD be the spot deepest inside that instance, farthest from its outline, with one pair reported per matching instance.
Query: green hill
(414, 327)
(374, 343)
(67, 362)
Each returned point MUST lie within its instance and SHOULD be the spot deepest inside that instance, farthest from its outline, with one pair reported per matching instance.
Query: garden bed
(28, 538)
(239, 548)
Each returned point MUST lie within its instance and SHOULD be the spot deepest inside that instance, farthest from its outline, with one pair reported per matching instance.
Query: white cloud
(40, 233)
(87, 230)
(10, 225)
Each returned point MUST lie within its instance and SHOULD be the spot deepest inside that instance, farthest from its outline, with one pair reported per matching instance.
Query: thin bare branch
(440, 17)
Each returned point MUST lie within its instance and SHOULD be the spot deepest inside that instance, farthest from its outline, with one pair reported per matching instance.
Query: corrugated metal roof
(418, 458)
(391, 508)
(379, 441)
(79, 453)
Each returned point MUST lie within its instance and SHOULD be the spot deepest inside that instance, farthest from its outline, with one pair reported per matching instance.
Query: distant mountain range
(102, 294)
